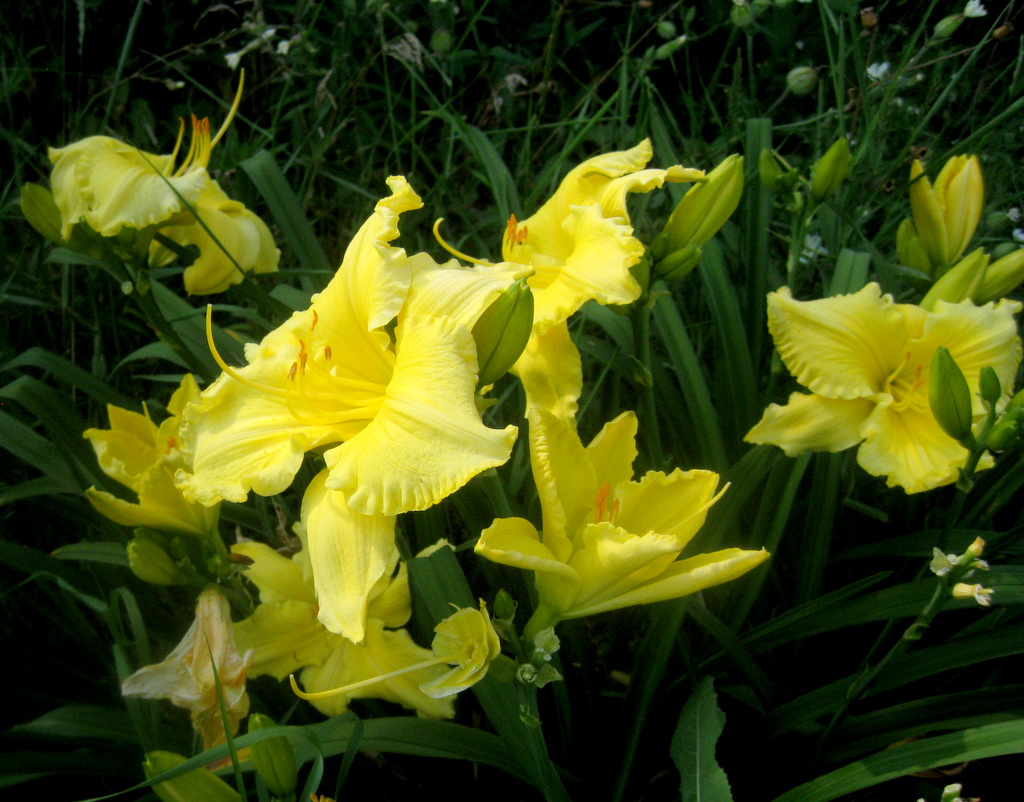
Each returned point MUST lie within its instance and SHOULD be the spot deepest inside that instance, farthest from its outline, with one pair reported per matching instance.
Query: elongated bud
(199, 784)
(831, 169)
(1002, 277)
(960, 282)
(983, 596)
(706, 206)
(742, 14)
(931, 229)
(40, 209)
(274, 759)
(502, 331)
(947, 26)
(989, 385)
(802, 80)
(1006, 432)
(909, 248)
(950, 397)
(150, 562)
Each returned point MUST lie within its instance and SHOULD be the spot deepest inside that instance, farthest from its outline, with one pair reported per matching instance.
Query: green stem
(640, 317)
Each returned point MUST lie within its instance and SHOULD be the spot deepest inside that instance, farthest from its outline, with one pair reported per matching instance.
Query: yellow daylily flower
(112, 185)
(187, 676)
(286, 636)
(243, 243)
(142, 456)
(867, 362)
(467, 641)
(947, 214)
(580, 246)
(400, 403)
(608, 542)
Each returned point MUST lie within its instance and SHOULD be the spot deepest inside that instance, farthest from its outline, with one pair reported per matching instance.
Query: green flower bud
(947, 26)
(669, 48)
(679, 263)
(1001, 278)
(989, 385)
(40, 209)
(198, 784)
(504, 606)
(802, 80)
(502, 332)
(666, 29)
(441, 41)
(706, 206)
(274, 759)
(151, 563)
(959, 282)
(911, 251)
(999, 222)
(1005, 434)
(742, 14)
(950, 397)
(831, 169)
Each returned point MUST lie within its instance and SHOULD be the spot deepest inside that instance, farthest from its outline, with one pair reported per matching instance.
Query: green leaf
(109, 553)
(700, 724)
(990, 740)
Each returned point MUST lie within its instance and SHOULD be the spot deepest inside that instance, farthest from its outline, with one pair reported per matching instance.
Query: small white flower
(233, 58)
(812, 249)
(878, 70)
(1014, 214)
(1018, 235)
(974, 9)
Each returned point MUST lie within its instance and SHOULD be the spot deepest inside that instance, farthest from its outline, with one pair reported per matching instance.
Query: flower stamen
(455, 253)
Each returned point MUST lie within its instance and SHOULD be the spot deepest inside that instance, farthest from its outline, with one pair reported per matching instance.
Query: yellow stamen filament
(904, 393)
(177, 147)
(455, 253)
(355, 686)
(233, 110)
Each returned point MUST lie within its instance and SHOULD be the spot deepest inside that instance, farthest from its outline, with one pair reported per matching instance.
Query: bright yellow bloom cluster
(866, 361)
(608, 542)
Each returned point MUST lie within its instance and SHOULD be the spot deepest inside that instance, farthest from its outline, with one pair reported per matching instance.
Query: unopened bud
(274, 759)
(40, 209)
(148, 560)
(502, 332)
(666, 29)
(669, 48)
(198, 784)
(947, 26)
(1002, 31)
(950, 397)
(831, 170)
(909, 248)
(989, 385)
(1001, 278)
(960, 282)
(868, 18)
(802, 80)
(679, 263)
(742, 14)
(706, 206)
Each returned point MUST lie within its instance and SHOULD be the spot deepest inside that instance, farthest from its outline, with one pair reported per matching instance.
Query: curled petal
(674, 505)
(812, 423)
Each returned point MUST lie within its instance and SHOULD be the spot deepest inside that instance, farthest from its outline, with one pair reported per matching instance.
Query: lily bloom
(142, 456)
(189, 677)
(580, 246)
(867, 362)
(286, 636)
(399, 401)
(608, 542)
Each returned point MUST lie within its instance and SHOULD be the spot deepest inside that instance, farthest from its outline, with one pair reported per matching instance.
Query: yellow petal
(611, 561)
(551, 372)
(613, 450)
(674, 505)
(910, 449)
(839, 347)
(457, 292)
(515, 542)
(383, 652)
(393, 603)
(348, 552)
(277, 577)
(928, 216)
(684, 577)
(961, 191)
(812, 423)
(566, 481)
(427, 439)
(976, 336)
(284, 636)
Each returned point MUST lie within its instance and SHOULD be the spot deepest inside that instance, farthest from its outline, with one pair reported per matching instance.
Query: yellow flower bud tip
(963, 590)
(976, 548)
